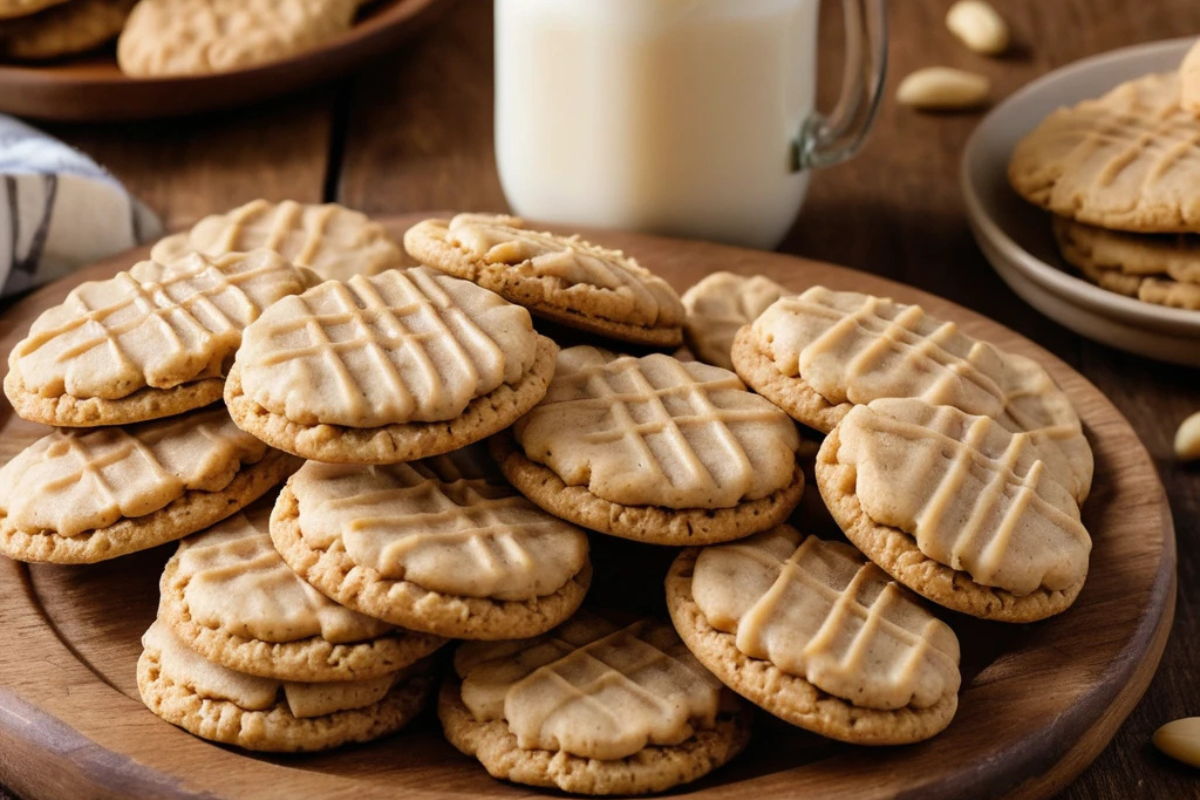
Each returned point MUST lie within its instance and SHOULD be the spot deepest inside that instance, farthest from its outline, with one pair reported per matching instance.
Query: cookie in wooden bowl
(388, 368)
(819, 354)
(83, 496)
(442, 545)
(561, 278)
(197, 37)
(817, 635)
(956, 508)
(593, 707)
(268, 715)
(655, 450)
(228, 595)
(333, 241)
(719, 306)
(148, 343)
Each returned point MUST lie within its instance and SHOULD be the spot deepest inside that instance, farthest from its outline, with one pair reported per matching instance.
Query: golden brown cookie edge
(413, 607)
(790, 697)
(898, 555)
(647, 524)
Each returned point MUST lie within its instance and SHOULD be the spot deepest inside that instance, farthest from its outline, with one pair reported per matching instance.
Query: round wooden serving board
(1039, 701)
(92, 88)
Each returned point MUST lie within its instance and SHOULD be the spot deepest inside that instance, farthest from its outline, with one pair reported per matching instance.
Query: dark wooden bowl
(93, 88)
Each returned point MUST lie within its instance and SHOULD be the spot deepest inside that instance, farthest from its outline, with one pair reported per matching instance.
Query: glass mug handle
(827, 140)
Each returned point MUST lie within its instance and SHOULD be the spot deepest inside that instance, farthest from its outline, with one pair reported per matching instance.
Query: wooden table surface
(414, 132)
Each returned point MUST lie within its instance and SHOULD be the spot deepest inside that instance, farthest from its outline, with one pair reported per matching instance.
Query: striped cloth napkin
(59, 210)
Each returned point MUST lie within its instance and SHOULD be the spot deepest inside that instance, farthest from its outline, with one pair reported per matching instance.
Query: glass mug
(680, 117)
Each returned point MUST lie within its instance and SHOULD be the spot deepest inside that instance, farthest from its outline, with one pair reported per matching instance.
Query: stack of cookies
(159, 38)
(128, 370)
(451, 470)
(1119, 173)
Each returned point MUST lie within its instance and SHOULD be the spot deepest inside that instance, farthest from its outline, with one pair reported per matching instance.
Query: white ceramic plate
(1015, 236)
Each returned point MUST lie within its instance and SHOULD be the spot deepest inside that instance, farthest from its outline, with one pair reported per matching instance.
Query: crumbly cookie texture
(1162, 269)
(266, 715)
(592, 708)
(149, 403)
(84, 496)
(23, 8)
(76, 27)
(812, 632)
(562, 278)
(1125, 161)
(332, 240)
(717, 308)
(229, 596)
(196, 37)
(994, 538)
(656, 431)
(169, 327)
(418, 547)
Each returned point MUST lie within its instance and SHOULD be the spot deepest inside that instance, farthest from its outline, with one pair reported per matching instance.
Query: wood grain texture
(1048, 695)
(278, 150)
(93, 88)
(428, 117)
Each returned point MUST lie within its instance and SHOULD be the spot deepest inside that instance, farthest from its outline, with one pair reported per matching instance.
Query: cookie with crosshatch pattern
(719, 306)
(392, 367)
(954, 512)
(442, 545)
(817, 635)
(562, 278)
(268, 715)
(147, 343)
(333, 241)
(228, 595)
(654, 449)
(82, 496)
(1129, 160)
(593, 707)
(818, 354)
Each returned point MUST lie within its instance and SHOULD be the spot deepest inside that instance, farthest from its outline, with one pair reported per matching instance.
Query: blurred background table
(414, 132)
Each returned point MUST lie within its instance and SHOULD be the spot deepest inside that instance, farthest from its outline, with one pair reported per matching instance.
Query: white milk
(671, 116)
